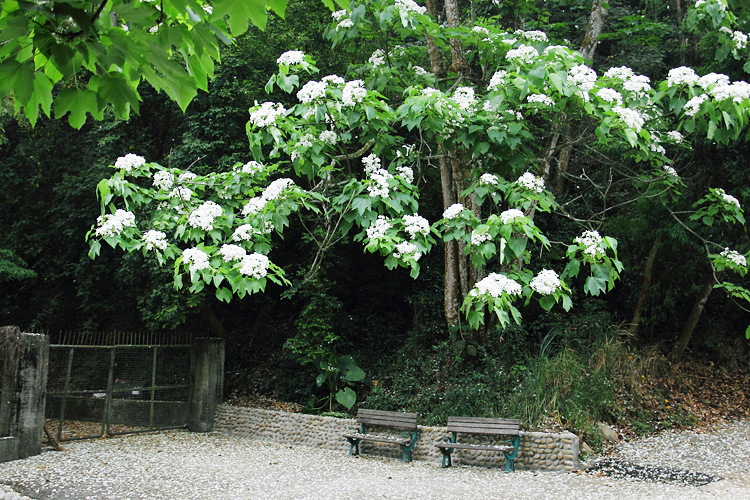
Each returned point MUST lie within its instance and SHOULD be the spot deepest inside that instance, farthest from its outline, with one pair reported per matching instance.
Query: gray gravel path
(181, 465)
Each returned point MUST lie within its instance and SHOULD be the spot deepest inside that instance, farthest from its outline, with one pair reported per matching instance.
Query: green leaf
(224, 294)
(77, 103)
(239, 12)
(346, 397)
(114, 89)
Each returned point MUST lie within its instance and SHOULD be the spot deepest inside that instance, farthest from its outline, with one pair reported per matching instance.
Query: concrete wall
(27, 399)
(537, 450)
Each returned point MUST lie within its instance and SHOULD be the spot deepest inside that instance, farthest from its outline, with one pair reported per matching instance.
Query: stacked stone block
(537, 450)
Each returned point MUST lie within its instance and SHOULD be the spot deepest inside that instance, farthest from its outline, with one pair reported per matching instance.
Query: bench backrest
(494, 426)
(398, 419)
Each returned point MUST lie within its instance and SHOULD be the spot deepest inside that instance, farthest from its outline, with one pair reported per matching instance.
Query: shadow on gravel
(619, 469)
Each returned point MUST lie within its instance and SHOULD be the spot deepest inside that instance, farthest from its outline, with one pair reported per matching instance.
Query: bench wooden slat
(380, 418)
(484, 425)
(380, 439)
(466, 446)
(387, 418)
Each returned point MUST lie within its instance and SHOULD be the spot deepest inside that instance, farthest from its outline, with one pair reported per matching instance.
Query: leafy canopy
(99, 52)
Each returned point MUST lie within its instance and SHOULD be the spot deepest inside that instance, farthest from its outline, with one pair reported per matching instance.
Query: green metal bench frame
(379, 418)
(510, 427)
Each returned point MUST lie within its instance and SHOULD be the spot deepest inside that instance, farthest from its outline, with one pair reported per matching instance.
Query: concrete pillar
(208, 383)
(29, 395)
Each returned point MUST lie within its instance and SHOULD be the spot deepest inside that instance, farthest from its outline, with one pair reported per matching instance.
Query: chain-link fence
(98, 390)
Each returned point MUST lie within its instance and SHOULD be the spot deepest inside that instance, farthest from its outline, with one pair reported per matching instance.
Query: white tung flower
(497, 80)
(495, 285)
(583, 76)
(254, 265)
(630, 117)
(416, 224)
(253, 206)
(163, 180)
(511, 215)
(735, 257)
(311, 91)
(410, 6)
(610, 95)
(525, 54)
(111, 225)
(252, 167)
(243, 233)
(453, 211)
(669, 170)
(488, 179)
(531, 182)
(181, 193)
(546, 282)
(130, 162)
(694, 105)
(231, 252)
(203, 216)
(406, 173)
(377, 58)
(196, 258)
(728, 198)
(378, 228)
(407, 251)
(379, 185)
(353, 93)
(267, 114)
(591, 242)
(541, 99)
(276, 188)
(620, 73)
(478, 238)
(681, 76)
(333, 80)
(712, 79)
(464, 97)
(371, 163)
(675, 136)
(155, 240)
(328, 137)
(291, 57)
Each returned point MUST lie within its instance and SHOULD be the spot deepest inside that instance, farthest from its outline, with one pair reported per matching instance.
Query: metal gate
(98, 390)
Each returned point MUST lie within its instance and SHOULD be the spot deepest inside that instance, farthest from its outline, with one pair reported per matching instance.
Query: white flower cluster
(252, 167)
(481, 30)
(534, 36)
(497, 80)
(186, 177)
(231, 252)
(638, 84)
(243, 233)
(675, 136)
(406, 173)
(377, 58)
(291, 57)
(610, 95)
(737, 91)
(511, 215)
(328, 137)
(379, 186)
(416, 224)
(531, 182)
(343, 21)
(541, 99)
(354, 92)
(464, 97)
(630, 117)
(112, 224)
(525, 54)
(272, 192)
(333, 80)
(488, 180)
(669, 170)
(378, 228)
(681, 76)
(546, 282)
(130, 162)
(182, 193)
(694, 105)
(254, 265)
(203, 216)
(622, 73)
(728, 198)
(410, 6)
(712, 80)
(419, 70)
(453, 211)
(735, 257)
(371, 163)
(163, 180)
(311, 91)
(591, 242)
(267, 114)
(656, 147)
(494, 285)
(155, 240)
(407, 251)
(196, 258)
(740, 39)
(583, 76)
(479, 238)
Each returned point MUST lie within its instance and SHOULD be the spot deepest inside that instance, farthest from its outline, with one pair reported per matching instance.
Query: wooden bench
(482, 426)
(391, 419)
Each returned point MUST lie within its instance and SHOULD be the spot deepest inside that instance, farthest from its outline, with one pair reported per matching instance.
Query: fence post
(207, 372)
(29, 395)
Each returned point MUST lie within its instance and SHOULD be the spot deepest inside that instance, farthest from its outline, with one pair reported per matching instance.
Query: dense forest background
(570, 370)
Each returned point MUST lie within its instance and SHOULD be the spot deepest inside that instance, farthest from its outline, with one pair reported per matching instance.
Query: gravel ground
(180, 465)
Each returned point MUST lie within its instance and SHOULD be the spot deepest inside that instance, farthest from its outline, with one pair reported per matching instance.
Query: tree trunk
(695, 315)
(646, 282)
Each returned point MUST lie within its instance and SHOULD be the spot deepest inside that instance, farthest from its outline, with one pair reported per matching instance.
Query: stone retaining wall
(537, 450)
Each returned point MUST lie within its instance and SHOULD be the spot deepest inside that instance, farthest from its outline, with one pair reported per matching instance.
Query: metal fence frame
(107, 426)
